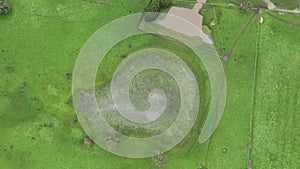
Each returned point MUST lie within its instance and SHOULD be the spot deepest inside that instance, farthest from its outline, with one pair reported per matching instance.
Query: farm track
(207, 151)
(104, 4)
(251, 121)
(59, 19)
(283, 20)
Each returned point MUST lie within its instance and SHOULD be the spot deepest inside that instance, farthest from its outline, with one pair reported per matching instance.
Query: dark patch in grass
(273, 157)
(124, 56)
(34, 99)
(68, 75)
(40, 126)
(19, 109)
(75, 121)
(70, 101)
(21, 89)
(4, 94)
(9, 69)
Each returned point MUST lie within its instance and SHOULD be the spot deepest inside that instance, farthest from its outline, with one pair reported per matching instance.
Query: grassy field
(184, 3)
(262, 79)
(39, 44)
(234, 128)
(276, 142)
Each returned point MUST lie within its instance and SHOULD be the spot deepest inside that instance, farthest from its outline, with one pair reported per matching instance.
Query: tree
(154, 7)
(165, 3)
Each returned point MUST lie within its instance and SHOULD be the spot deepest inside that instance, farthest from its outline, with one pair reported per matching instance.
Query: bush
(4, 8)
(153, 6)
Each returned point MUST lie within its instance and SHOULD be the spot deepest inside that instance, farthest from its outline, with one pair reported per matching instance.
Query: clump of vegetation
(10, 69)
(4, 8)
(206, 29)
(88, 141)
(159, 159)
(224, 150)
(154, 7)
(246, 6)
(201, 167)
(68, 75)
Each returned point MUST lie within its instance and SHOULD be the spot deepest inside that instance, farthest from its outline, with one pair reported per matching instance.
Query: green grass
(261, 105)
(42, 44)
(184, 3)
(233, 130)
(41, 41)
(276, 127)
(229, 27)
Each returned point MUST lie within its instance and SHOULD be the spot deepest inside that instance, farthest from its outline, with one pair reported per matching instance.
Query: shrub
(206, 30)
(4, 8)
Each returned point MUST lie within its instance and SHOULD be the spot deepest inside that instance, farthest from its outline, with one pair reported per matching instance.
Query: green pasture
(262, 89)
